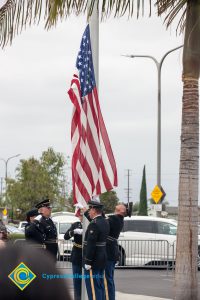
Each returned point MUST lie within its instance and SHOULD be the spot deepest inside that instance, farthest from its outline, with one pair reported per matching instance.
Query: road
(155, 283)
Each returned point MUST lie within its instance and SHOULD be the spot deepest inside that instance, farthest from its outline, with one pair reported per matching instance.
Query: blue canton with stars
(84, 64)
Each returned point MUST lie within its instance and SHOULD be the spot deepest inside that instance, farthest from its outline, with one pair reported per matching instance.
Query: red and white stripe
(93, 165)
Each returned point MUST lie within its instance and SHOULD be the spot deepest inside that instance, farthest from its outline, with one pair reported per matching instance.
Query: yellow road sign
(156, 194)
(5, 212)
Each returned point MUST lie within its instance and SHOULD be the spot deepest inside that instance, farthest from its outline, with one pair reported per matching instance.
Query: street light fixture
(6, 172)
(159, 66)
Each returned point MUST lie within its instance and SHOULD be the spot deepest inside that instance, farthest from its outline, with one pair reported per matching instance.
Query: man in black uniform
(44, 208)
(116, 223)
(76, 232)
(34, 232)
(94, 252)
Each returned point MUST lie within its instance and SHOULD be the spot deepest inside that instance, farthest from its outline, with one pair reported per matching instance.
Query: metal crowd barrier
(64, 254)
(146, 254)
(133, 253)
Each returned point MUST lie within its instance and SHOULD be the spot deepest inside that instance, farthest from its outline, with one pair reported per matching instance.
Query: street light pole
(6, 172)
(159, 66)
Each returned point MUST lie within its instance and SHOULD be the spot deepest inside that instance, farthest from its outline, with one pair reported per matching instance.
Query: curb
(122, 296)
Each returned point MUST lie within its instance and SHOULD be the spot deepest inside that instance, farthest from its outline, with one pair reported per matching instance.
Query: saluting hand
(38, 218)
(78, 231)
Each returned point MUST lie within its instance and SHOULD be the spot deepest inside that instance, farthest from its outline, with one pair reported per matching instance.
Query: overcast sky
(35, 74)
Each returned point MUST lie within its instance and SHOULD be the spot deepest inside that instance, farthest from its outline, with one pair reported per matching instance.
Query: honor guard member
(44, 208)
(3, 235)
(116, 223)
(76, 231)
(94, 252)
(34, 232)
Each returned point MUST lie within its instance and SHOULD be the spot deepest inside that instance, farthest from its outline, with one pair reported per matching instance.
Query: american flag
(93, 165)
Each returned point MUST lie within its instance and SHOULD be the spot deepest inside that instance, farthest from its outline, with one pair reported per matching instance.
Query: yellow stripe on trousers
(106, 287)
(92, 285)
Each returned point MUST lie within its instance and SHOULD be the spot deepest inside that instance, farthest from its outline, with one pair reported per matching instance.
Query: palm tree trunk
(186, 287)
(187, 236)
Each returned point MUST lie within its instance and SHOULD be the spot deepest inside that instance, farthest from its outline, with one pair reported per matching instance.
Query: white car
(22, 225)
(13, 230)
(148, 240)
(63, 221)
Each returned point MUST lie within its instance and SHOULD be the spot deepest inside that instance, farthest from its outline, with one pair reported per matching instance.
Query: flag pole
(94, 37)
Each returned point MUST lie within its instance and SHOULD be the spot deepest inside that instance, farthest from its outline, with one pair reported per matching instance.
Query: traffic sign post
(158, 194)
(5, 212)
(5, 216)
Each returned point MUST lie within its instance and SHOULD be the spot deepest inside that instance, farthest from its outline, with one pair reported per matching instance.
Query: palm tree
(16, 15)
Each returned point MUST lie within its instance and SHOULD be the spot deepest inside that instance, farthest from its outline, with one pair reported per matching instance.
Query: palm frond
(6, 16)
(121, 7)
(16, 15)
(173, 8)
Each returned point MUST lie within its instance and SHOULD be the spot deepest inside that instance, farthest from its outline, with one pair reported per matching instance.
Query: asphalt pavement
(122, 296)
(141, 284)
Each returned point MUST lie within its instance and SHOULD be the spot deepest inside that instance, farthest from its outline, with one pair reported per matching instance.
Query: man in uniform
(94, 252)
(44, 208)
(116, 222)
(34, 232)
(76, 232)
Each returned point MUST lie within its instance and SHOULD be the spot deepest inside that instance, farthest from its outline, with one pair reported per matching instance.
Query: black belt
(97, 244)
(112, 239)
(51, 242)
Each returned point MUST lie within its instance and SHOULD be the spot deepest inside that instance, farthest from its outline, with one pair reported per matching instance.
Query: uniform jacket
(34, 232)
(116, 223)
(50, 235)
(76, 255)
(49, 229)
(94, 249)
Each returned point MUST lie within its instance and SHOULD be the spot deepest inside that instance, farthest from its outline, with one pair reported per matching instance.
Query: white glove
(38, 218)
(78, 231)
(78, 205)
(88, 267)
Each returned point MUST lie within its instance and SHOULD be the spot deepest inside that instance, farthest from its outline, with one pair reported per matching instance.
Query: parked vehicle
(22, 225)
(13, 230)
(148, 240)
(63, 221)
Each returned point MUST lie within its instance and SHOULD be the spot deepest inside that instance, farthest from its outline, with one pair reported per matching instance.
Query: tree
(15, 15)
(143, 196)
(136, 208)
(187, 235)
(69, 203)
(109, 200)
(36, 179)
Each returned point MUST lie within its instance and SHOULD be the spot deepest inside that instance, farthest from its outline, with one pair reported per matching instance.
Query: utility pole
(1, 186)
(6, 173)
(158, 67)
(128, 189)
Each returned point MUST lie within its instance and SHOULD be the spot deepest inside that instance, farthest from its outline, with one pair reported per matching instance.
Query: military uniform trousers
(52, 248)
(109, 274)
(94, 281)
(77, 281)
